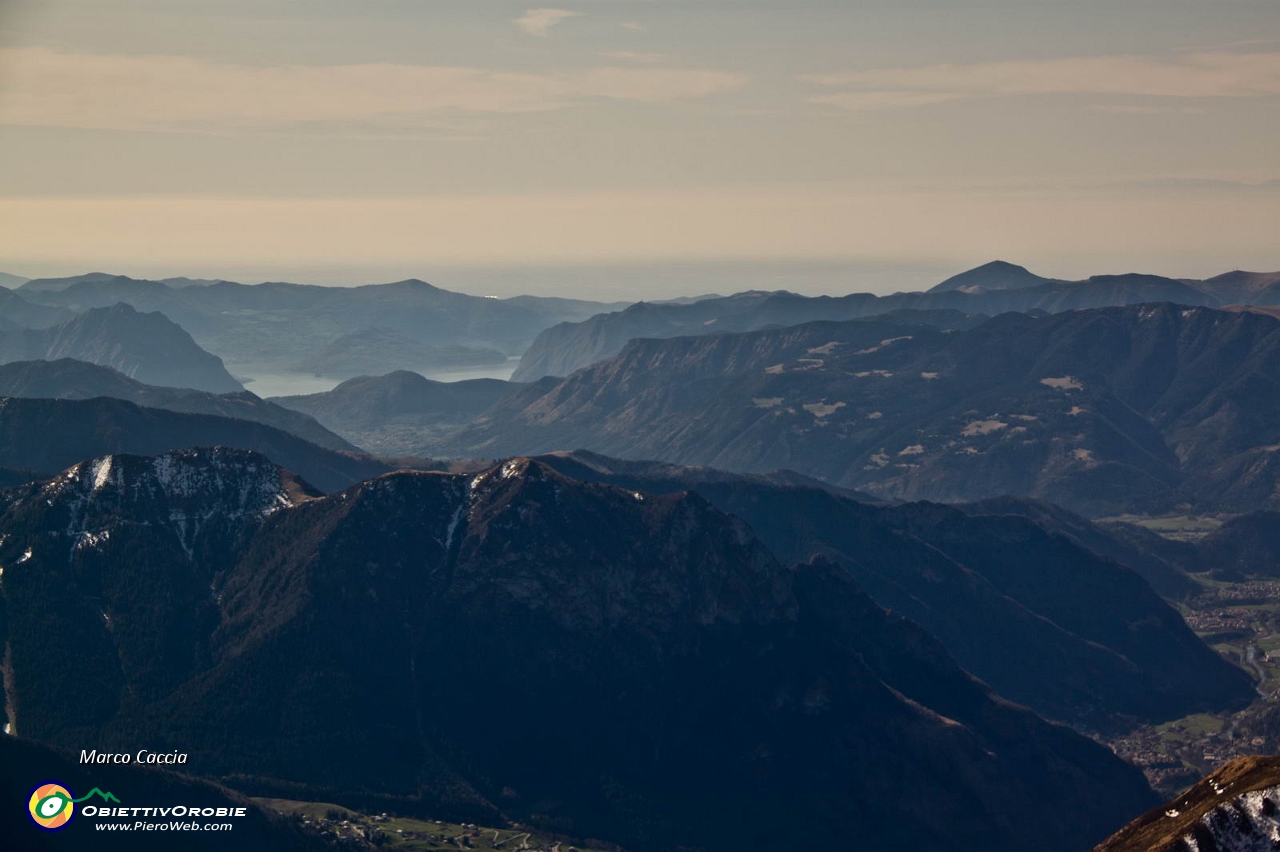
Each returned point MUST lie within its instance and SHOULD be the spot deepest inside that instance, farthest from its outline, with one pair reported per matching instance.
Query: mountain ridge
(685, 686)
(1103, 411)
(68, 378)
(148, 347)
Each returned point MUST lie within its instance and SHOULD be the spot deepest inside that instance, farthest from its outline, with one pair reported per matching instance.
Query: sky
(604, 146)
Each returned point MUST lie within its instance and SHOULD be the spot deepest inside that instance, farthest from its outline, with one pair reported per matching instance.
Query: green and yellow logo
(51, 804)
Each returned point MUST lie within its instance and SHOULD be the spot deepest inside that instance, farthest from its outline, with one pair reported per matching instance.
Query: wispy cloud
(1195, 75)
(538, 22)
(44, 87)
(1146, 109)
(634, 26)
(647, 57)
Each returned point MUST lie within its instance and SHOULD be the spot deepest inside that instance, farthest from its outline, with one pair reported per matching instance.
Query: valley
(1241, 621)
(380, 831)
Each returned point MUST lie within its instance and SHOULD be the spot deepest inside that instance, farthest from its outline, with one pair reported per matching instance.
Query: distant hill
(146, 347)
(1102, 411)
(17, 312)
(374, 351)
(49, 435)
(988, 290)
(1120, 651)
(193, 282)
(67, 378)
(511, 641)
(996, 275)
(48, 285)
(280, 327)
(401, 413)
(1243, 288)
(12, 281)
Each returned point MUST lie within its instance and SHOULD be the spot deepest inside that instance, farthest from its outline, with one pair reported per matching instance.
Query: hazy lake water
(295, 384)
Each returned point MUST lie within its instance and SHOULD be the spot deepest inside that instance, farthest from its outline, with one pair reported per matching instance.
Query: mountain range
(604, 661)
(1104, 411)
(991, 289)
(143, 346)
(280, 327)
(67, 378)
(43, 436)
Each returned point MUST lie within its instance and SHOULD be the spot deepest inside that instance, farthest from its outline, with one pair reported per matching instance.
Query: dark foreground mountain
(24, 765)
(1003, 594)
(46, 435)
(598, 660)
(401, 413)
(146, 347)
(1103, 411)
(991, 289)
(1235, 809)
(68, 378)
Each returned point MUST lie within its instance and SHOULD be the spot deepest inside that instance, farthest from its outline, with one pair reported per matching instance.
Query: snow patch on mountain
(1246, 823)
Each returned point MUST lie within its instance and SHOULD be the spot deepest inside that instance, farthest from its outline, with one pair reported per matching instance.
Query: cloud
(1194, 75)
(44, 87)
(538, 22)
(633, 26)
(647, 57)
(1140, 109)
(885, 99)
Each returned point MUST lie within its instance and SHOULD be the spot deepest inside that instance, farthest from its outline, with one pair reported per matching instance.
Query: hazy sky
(360, 140)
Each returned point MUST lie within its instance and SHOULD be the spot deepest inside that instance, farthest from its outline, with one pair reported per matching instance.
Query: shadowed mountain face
(68, 378)
(47, 435)
(992, 289)
(401, 413)
(604, 661)
(146, 347)
(1246, 546)
(1003, 594)
(1102, 411)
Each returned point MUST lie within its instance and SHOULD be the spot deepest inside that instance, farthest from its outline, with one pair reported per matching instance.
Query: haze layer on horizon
(345, 142)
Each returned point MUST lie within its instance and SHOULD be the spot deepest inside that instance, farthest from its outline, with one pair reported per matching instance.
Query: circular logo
(51, 806)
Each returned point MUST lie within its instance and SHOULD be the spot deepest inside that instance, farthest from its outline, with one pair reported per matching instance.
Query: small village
(383, 831)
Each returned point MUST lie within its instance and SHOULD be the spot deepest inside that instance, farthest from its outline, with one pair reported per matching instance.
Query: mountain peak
(255, 485)
(995, 275)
